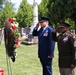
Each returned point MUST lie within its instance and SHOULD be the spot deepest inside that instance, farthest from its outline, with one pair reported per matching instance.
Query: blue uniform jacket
(45, 42)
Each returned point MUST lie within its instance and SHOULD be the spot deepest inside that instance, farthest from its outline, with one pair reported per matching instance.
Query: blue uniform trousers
(46, 65)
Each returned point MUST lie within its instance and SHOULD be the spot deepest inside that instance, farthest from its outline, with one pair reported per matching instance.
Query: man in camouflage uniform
(66, 49)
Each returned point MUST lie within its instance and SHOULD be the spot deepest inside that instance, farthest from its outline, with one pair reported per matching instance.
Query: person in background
(66, 49)
(45, 44)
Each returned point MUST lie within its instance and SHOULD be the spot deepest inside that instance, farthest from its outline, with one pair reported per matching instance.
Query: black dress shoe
(13, 57)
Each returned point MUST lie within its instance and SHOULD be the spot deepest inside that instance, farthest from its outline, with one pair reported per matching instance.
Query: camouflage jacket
(66, 49)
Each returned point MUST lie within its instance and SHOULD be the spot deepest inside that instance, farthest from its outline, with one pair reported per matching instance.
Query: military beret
(43, 18)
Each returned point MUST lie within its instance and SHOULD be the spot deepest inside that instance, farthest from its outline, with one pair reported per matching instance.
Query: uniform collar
(45, 27)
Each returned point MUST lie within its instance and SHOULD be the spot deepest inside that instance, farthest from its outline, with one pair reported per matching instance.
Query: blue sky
(17, 2)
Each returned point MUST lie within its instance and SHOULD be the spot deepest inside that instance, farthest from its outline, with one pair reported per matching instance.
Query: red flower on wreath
(14, 27)
(11, 20)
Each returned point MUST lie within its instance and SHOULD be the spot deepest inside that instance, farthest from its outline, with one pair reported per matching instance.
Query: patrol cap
(63, 24)
(43, 18)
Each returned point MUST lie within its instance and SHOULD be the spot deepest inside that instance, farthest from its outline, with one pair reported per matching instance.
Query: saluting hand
(37, 26)
(57, 29)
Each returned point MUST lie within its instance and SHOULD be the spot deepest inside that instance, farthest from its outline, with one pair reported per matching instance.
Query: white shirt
(45, 27)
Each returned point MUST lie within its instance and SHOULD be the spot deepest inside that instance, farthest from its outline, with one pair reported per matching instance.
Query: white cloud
(16, 2)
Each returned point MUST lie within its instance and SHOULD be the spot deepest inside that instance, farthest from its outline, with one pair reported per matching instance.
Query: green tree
(56, 11)
(72, 12)
(43, 10)
(25, 14)
(7, 12)
(62, 10)
(1, 3)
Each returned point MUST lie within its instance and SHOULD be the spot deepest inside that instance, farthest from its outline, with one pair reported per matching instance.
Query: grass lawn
(27, 62)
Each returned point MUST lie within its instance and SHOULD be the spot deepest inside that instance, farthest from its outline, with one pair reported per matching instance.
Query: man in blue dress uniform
(45, 44)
